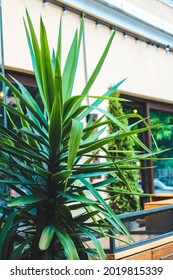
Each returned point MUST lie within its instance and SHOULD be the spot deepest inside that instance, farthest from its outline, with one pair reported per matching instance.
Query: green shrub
(129, 177)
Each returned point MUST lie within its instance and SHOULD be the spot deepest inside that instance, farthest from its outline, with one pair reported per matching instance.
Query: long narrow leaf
(67, 243)
(24, 117)
(17, 253)
(59, 46)
(98, 67)
(99, 101)
(74, 141)
(46, 237)
(124, 128)
(30, 103)
(25, 199)
(4, 230)
(60, 176)
(46, 69)
(35, 55)
(55, 129)
(79, 198)
(96, 242)
(105, 205)
(71, 63)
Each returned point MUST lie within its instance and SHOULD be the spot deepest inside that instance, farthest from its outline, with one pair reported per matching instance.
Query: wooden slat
(142, 248)
(163, 252)
(146, 255)
(159, 203)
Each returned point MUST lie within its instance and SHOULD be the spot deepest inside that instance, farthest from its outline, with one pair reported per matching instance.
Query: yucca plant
(47, 161)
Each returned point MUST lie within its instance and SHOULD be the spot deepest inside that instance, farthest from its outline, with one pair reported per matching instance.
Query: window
(160, 177)
(163, 134)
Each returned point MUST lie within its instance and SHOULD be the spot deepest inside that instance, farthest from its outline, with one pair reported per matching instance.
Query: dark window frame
(27, 79)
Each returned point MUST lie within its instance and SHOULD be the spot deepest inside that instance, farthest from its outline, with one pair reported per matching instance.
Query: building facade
(142, 52)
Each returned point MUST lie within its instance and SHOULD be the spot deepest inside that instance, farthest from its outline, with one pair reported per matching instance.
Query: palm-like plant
(47, 161)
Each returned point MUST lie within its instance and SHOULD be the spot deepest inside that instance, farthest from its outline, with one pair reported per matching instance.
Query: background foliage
(123, 148)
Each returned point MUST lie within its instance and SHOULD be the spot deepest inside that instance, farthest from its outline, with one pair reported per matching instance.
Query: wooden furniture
(158, 203)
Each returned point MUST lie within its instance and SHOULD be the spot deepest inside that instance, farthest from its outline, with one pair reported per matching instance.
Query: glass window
(163, 134)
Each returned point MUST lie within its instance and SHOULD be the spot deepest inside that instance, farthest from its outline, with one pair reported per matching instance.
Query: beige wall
(151, 6)
(148, 70)
(156, 8)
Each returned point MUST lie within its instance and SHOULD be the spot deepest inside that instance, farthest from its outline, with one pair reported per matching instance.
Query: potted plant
(47, 160)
